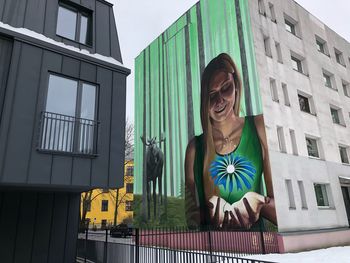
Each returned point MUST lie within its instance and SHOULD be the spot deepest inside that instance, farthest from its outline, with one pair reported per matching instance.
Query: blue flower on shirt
(229, 170)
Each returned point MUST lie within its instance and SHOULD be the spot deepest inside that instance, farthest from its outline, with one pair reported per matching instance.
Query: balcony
(63, 134)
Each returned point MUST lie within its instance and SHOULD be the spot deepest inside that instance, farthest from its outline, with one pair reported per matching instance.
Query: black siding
(20, 162)
(38, 227)
(41, 16)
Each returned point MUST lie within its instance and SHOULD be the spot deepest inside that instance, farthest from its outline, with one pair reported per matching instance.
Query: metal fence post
(262, 238)
(85, 243)
(137, 245)
(105, 248)
(210, 248)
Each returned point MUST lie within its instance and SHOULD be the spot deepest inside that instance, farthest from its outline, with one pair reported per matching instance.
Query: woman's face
(221, 96)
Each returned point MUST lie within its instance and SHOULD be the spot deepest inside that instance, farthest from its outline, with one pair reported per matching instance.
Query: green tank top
(235, 173)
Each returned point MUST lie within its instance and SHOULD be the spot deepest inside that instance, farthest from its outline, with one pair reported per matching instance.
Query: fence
(176, 245)
(67, 134)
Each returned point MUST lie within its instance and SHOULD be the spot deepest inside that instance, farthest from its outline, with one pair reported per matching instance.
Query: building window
(344, 154)
(297, 64)
(281, 141)
(321, 45)
(104, 206)
(328, 80)
(335, 115)
(69, 121)
(312, 148)
(74, 23)
(304, 103)
(267, 47)
(130, 171)
(261, 5)
(339, 57)
(129, 188)
(285, 94)
(322, 195)
(291, 25)
(272, 12)
(273, 89)
(128, 205)
(290, 192)
(346, 88)
(302, 195)
(293, 141)
(279, 52)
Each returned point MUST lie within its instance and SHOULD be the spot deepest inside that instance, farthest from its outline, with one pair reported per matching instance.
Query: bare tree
(128, 157)
(87, 198)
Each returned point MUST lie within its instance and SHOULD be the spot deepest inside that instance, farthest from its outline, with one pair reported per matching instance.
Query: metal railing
(176, 245)
(67, 134)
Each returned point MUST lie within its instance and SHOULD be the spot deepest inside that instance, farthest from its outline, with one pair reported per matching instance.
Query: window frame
(310, 107)
(128, 168)
(326, 196)
(80, 11)
(346, 88)
(129, 206)
(77, 115)
(339, 57)
(318, 152)
(104, 205)
(339, 113)
(127, 188)
(346, 149)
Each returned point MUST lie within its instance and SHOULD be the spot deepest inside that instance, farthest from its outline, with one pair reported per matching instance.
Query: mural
(197, 89)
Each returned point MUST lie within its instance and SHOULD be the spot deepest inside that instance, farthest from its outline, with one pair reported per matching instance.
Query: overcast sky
(139, 22)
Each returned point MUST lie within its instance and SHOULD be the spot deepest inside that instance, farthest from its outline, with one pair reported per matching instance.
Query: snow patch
(30, 33)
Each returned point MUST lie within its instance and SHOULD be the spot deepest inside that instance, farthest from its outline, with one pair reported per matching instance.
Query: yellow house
(100, 204)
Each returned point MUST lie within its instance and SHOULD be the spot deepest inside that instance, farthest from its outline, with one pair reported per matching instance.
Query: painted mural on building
(200, 146)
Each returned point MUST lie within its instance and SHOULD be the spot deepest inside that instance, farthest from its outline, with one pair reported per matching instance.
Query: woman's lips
(220, 109)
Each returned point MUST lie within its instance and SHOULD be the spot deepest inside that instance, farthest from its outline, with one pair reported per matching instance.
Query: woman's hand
(241, 214)
(247, 210)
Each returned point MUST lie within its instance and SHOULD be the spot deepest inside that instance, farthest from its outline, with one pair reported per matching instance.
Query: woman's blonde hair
(223, 63)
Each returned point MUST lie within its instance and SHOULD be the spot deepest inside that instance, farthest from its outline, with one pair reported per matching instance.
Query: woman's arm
(268, 210)
(191, 202)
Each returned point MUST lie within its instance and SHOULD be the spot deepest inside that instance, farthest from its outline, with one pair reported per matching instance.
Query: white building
(304, 72)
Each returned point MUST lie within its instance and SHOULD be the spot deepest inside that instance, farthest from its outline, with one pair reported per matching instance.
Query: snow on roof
(27, 32)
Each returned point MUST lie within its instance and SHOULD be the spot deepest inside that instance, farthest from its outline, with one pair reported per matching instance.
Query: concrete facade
(287, 126)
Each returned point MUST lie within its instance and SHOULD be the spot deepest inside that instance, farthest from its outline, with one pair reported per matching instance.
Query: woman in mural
(225, 164)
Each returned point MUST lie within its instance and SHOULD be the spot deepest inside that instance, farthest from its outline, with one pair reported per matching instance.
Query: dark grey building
(62, 115)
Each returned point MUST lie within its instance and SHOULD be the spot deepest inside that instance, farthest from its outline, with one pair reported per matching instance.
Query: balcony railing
(67, 134)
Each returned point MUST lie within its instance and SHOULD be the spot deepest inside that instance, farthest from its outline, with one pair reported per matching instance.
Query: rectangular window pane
(62, 95)
(58, 123)
(84, 37)
(312, 149)
(304, 103)
(320, 46)
(335, 116)
(327, 80)
(290, 27)
(296, 64)
(104, 206)
(321, 195)
(87, 114)
(66, 23)
(343, 154)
